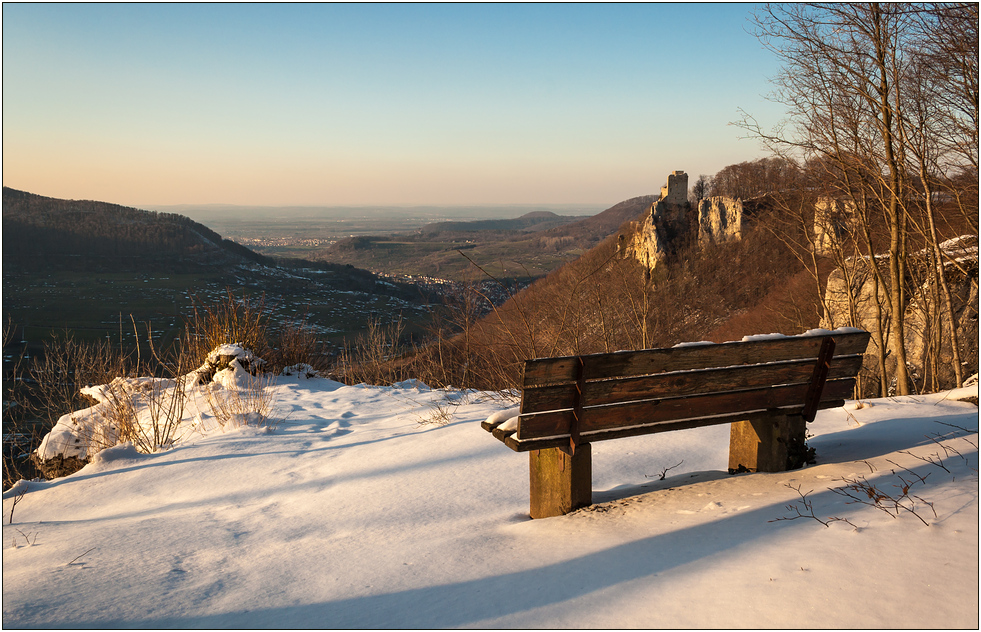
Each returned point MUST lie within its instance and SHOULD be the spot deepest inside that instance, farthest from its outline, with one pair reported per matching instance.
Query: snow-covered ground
(389, 507)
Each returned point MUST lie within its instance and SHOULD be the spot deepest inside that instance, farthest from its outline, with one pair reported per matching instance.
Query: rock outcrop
(833, 220)
(856, 302)
(672, 221)
(667, 221)
(720, 220)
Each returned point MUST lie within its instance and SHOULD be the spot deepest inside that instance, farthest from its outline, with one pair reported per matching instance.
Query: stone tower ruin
(672, 218)
(663, 225)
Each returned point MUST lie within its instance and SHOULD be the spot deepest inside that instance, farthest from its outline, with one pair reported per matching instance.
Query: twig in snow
(922, 478)
(808, 510)
(665, 471)
(946, 448)
(862, 492)
(19, 497)
(932, 459)
(961, 428)
(81, 556)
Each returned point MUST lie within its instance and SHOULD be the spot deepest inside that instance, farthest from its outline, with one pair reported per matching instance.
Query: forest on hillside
(47, 232)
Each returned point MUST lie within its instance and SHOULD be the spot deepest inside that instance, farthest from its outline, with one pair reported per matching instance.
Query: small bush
(375, 357)
(297, 343)
(231, 320)
(241, 401)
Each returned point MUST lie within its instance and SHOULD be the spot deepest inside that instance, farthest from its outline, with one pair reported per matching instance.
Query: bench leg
(560, 483)
(767, 444)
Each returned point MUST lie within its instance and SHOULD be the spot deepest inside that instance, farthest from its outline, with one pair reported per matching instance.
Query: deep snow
(359, 510)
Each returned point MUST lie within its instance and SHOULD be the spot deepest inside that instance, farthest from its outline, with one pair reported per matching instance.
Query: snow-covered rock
(156, 414)
(858, 294)
(233, 356)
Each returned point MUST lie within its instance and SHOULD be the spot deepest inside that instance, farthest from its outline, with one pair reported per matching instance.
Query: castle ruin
(663, 225)
(671, 218)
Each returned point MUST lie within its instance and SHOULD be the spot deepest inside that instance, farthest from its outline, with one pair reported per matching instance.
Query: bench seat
(757, 384)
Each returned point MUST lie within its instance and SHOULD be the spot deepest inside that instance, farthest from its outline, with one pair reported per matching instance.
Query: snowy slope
(360, 511)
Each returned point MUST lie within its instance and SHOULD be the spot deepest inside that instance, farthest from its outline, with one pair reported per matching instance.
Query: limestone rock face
(664, 224)
(720, 220)
(833, 219)
(922, 332)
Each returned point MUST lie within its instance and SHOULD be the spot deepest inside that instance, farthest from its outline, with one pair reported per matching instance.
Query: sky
(398, 104)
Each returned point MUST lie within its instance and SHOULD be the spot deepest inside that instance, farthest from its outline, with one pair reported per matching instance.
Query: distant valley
(522, 242)
(95, 268)
(99, 270)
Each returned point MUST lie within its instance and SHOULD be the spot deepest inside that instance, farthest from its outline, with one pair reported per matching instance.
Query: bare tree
(846, 81)
(700, 189)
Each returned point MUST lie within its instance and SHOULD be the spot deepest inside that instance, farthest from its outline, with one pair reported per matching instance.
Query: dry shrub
(144, 411)
(247, 321)
(376, 356)
(297, 343)
(231, 320)
(234, 404)
(64, 367)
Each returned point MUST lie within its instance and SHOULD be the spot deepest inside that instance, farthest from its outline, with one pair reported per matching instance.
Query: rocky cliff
(856, 300)
(667, 220)
(671, 219)
(720, 220)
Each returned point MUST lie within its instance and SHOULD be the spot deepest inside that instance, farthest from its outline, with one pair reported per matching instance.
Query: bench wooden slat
(677, 384)
(549, 424)
(649, 361)
(766, 389)
(511, 441)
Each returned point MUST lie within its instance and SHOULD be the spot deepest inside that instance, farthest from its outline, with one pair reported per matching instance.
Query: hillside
(48, 233)
(529, 222)
(389, 507)
(605, 300)
(590, 231)
(85, 266)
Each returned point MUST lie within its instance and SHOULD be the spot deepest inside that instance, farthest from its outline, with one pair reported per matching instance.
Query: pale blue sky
(153, 104)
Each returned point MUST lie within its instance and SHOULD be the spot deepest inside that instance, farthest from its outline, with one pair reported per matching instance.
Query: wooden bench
(767, 387)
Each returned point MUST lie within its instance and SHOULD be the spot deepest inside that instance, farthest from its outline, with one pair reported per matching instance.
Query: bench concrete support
(765, 444)
(560, 483)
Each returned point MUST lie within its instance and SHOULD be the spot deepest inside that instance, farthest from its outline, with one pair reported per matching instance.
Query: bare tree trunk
(941, 276)
(895, 213)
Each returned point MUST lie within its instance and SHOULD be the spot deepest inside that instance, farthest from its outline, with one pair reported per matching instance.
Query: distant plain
(311, 232)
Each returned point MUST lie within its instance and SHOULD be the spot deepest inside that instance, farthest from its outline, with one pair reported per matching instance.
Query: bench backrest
(605, 396)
